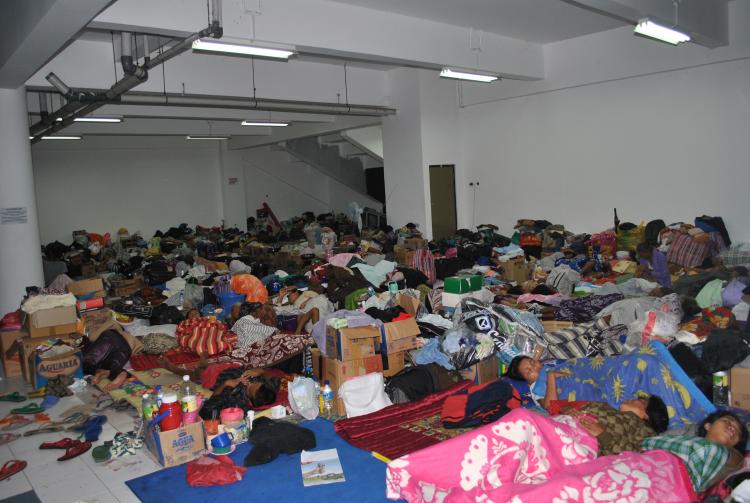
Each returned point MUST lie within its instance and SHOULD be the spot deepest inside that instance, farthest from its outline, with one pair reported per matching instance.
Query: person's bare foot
(117, 382)
(98, 376)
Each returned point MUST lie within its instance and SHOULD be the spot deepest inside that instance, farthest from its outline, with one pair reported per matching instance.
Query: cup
(212, 426)
(221, 440)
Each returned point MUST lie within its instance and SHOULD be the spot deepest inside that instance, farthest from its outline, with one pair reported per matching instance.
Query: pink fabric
(527, 457)
(553, 300)
(341, 259)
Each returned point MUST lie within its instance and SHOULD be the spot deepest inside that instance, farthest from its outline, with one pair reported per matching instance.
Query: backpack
(653, 229)
(158, 272)
(411, 383)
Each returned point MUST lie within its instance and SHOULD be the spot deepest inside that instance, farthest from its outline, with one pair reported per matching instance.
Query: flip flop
(77, 409)
(11, 468)
(13, 397)
(102, 453)
(104, 403)
(38, 393)
(45, 428)
(65, 443)
(31, 408)
(6, 438)
(75, 451)
(15, 421)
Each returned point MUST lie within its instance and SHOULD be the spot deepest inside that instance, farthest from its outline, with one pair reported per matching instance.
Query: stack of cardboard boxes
(357, 351)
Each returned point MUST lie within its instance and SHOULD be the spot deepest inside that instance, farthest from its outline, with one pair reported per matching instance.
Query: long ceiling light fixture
(449, 73)
(108, 120)
(213, 47)
(59, 138)
(194, 137)
(265, 123)
(652, 29)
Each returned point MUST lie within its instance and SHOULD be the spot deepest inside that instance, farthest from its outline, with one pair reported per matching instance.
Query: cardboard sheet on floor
(278, 481)
(145, 380)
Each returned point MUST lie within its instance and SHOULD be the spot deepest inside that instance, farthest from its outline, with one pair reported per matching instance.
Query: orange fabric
(251, 286)
(204, 335)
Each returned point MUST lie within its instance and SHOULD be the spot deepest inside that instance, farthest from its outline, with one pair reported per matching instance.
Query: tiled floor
(78, 479)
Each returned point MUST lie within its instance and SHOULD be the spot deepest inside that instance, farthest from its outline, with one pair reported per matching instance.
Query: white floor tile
(24, 445)
(81, 486)
(105, 497)
(125, 495)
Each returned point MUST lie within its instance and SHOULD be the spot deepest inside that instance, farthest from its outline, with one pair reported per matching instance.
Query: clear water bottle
(188, 395)
(327, 398)
(721, 388)
(370, 291)
(149, 407)
(317, 387)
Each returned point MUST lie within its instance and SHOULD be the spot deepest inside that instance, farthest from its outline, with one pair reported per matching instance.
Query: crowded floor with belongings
(310, 359)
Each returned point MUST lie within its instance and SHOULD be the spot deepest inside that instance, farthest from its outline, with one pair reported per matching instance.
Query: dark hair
(665, 290)
(741, 443)
(644, 249)
(266, 393)
(513, 372)
(658, 417)
(690, 307)
(238, 396)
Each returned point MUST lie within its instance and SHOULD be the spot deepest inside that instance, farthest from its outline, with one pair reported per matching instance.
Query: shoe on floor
(12, 467)
(75, 451)
(65, 443)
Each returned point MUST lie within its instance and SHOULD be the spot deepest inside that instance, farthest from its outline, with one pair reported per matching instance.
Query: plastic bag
(302, 397)
(251, 286)
(652, 324)
(364, 394)
(213, 471)
(193, 295)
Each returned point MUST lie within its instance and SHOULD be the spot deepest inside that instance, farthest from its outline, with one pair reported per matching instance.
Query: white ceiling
(538, 21)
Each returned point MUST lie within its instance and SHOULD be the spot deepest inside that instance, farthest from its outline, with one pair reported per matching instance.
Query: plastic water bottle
(317, 387)
(370, 291)
(149, 406)
(188, 395)
(159, 395)
(327, 398)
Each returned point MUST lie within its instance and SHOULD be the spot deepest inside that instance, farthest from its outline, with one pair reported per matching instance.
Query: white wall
(291, 187)
(671, 145)
(102, 184)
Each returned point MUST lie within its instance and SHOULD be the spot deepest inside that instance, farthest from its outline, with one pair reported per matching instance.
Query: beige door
(443, 200)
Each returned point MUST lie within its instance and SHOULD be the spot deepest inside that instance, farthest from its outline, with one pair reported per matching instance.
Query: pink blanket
(527, 457)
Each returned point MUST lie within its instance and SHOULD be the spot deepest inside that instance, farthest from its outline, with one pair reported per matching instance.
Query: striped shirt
(703, 459)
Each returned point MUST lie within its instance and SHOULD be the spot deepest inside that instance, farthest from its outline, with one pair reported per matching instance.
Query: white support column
(20, 253)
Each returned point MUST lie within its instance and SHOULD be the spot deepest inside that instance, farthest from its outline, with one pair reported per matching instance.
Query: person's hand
(594, 428)
(232, 383)
(570, 411)
(249, 374)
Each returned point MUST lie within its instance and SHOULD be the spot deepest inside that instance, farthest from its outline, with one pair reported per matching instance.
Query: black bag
(412, 383)
(651, 233)
(158, 272)
(693, 367)
(725, 348)
(714, 223)
(166, 315)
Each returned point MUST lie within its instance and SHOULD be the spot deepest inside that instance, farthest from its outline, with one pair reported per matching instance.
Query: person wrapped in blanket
(713, 454)
(612, 379)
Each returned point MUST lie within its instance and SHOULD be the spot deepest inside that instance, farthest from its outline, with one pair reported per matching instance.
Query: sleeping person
(245, 389)
(613, 379)
(106, 351)
(711, 456)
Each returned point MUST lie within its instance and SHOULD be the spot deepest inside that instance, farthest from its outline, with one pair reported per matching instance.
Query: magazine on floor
(321, 467)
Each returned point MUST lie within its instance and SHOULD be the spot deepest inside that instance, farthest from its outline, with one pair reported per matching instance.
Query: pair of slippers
(73, 448)
(13, 422)
(29, 409)
(13, 397)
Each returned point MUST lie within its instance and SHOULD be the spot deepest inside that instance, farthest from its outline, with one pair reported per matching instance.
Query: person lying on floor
(617, 430)
(106, 351)
(312, 303)
(711, 456)
(609, 379)
(238, 387)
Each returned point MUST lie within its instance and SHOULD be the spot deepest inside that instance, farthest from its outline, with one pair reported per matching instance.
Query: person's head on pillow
(524, 368)
(649, 408)
(724, 428)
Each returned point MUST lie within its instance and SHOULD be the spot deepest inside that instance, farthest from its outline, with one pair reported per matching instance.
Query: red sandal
(75, 451)
(65, 443)
(11, 468)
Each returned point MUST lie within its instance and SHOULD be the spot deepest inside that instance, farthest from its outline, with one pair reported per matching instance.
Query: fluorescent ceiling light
(267, 124)
(194, 137)
(448, 73)
(94, 119)
(61, 138)
(241, 50)
(651, 29)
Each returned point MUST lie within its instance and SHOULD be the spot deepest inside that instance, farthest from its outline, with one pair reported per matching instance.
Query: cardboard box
(352, 343)
(399, 336)
(66, 364)
(53, 331)
(337, 372)
(88, 270)
(451, 300)
(9, 353)
(90, 287)
(125, 287)
(516, 270)
(739, 385)
(409, 303)
(178, 446)
(393, 363)
(415, 243)
(404, 256)
(55, 316)
(483, 371)
(463, 284)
